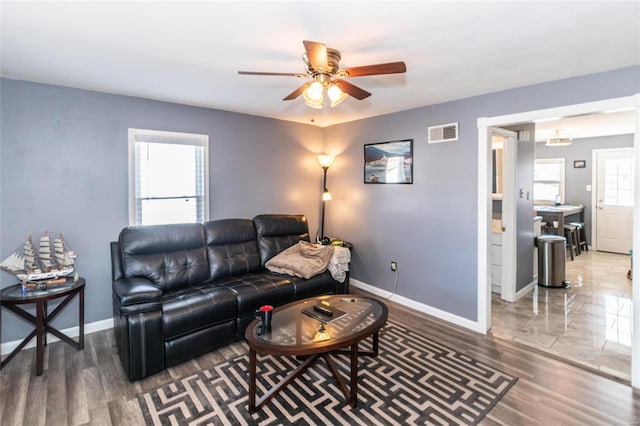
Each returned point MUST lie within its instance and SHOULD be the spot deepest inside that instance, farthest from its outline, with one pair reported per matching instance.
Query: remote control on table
(323, 311)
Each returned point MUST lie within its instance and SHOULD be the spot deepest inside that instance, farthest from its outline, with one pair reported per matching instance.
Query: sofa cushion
(255, 290)
(171, 256)
(277, 232)
(314, 286)
(194, 308)
(232, 247)
(198, 343)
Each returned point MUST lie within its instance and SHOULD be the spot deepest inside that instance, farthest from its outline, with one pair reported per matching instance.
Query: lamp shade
(313, 95)
(336, 95)
(325, 160)
(313, 104)
(326, 195)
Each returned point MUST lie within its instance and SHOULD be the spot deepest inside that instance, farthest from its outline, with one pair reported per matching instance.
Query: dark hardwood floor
(89, 386)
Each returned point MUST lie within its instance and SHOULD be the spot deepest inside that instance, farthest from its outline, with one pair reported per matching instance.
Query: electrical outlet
(394, 265)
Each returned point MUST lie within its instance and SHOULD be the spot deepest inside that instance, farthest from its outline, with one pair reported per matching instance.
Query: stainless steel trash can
(552, 261)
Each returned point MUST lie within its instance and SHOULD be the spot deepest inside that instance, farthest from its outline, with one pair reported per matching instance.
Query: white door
(614, 200)
(508, 259)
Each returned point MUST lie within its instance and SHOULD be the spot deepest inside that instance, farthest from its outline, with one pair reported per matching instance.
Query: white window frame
(159, 136)
(563, 177)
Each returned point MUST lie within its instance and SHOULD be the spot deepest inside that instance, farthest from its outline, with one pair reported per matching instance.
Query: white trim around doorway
(484, 208)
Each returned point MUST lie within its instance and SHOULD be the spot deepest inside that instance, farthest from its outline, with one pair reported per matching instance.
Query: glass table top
(291, 327)
(17, 292)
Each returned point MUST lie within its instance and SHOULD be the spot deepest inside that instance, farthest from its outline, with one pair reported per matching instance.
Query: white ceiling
(190, 52)
(587, 126)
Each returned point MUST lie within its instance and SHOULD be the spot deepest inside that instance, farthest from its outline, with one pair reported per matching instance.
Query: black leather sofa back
(171, 256)
(232, 247)
(277, 232)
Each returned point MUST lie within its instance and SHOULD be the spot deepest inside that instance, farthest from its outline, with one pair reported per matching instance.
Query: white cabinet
(496, 262)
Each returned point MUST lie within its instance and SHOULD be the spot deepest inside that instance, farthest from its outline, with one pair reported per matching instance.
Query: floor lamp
(325, 162)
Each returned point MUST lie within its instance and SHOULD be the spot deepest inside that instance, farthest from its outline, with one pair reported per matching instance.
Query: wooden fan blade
(286, 74)
(298, 91)
(351, 89)
(317, 54)
(390, 68)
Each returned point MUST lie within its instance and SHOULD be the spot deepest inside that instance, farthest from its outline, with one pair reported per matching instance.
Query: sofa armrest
(116, 261)
(137, 324)
(136, 295)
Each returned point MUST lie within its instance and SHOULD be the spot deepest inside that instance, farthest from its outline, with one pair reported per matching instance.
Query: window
(548, 181)
(168, 177)
(618, 182)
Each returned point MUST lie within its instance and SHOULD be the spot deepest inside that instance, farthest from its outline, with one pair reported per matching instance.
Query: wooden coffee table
(294, 333)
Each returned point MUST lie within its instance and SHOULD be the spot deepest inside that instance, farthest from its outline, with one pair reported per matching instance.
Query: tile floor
(588, 323)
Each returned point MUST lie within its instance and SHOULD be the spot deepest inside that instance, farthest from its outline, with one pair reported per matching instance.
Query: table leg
(46, 309)
(375, 344)
(81, 319)
(252, 380)
(353, 394)
(40, 332)
(17, 349)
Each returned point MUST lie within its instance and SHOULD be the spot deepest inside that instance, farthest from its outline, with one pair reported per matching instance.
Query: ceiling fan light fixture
(336, 95)
(558, 141)
(314, 92)
(313, 104)
(322, 65)
(312, 95)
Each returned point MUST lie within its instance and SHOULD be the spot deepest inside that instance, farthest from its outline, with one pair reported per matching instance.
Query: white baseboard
(526, 289)
(418, 306)
(7, 347)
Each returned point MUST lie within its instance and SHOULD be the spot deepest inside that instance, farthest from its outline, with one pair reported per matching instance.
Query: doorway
(589, 323)
(484, 208)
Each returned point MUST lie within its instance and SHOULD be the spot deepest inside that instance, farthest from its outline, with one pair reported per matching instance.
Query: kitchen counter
(565, 209)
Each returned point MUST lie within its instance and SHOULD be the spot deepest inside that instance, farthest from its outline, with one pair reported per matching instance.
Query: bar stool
(582, 235)
(571, 234)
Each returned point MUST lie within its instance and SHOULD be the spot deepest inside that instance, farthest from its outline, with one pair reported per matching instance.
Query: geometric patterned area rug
(414, 380)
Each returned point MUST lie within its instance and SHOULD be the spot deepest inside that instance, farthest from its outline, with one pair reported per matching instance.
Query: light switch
(588, 188)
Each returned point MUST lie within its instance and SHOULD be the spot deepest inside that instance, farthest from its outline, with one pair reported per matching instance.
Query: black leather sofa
(180, 291)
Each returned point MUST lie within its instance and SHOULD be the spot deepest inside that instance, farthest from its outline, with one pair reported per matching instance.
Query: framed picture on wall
(389, 162)
(579, 164)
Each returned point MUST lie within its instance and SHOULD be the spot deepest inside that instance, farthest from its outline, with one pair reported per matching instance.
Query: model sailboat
(50, 261)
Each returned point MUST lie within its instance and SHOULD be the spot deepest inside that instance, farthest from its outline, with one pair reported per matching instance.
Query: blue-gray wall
(430, 227)
(576, 180)
(64, 168)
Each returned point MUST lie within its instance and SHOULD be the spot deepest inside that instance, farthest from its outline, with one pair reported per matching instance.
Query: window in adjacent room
(168, 177)
(548, 181)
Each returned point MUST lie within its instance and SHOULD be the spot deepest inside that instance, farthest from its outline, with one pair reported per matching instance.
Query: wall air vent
(443, 133)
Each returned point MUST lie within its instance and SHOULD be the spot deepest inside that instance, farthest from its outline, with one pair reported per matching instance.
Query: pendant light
(558, 141)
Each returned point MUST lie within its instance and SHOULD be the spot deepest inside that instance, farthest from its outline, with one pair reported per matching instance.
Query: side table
(14, 296)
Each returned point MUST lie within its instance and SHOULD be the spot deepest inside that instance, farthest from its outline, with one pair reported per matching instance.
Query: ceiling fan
(322, 66)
